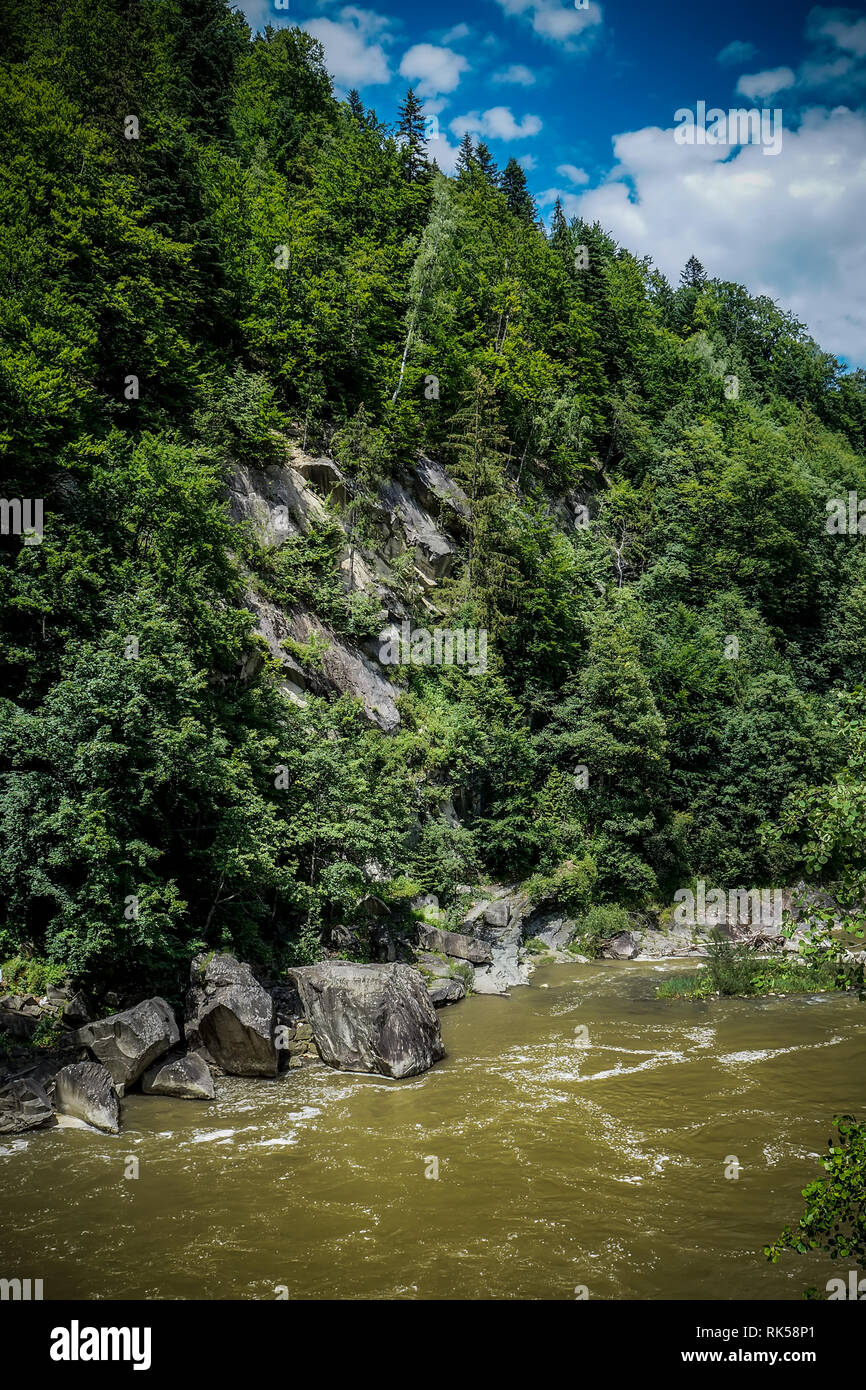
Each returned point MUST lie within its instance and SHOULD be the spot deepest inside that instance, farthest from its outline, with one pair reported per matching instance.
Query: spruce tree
(520, 200)
(356, 106)
(413, 147)
(694, 277)
(465, 158)
(487, 164)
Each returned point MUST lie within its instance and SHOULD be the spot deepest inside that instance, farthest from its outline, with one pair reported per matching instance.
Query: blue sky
(586, 98)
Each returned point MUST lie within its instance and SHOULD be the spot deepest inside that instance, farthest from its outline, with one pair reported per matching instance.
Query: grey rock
(451, 943)
(127, 1043)
(24, 1106)
(86, 1091)
(448, 989)
(370, 1018)
(498, 913)
(621, 947)
(231, 1017)
(186, 1077)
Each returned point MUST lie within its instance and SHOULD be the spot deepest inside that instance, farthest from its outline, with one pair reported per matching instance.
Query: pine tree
(694, 276)
(487, 164)
(465, 158)
(478, 444)
(558, 225)
(412, 133)
(518, 196)
(356, 106)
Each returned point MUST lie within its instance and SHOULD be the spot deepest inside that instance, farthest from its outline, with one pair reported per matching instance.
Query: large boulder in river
(23, 1106)
(372, 1018)
(127, 1043)
(85, 1090)
(230, 1017)
(446, 989)
(186, 1078)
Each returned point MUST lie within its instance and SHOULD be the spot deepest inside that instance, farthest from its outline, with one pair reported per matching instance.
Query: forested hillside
(209, 262)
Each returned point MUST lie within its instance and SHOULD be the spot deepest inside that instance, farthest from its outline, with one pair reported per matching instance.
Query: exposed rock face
(452, 943)
(231, 1017)
(347, 669)
(554, 929)
(127, 1043)
(447, 989)
(186, 1077)
(433, 551)
(621, 947)
(370, 1018)
(86, 1091)
(499, 924)
(19, 1015)
(23, 1106)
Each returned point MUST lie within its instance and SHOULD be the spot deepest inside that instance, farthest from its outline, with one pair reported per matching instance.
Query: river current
(580, 1139)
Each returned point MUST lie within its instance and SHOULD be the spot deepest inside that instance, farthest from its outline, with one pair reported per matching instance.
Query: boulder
(231, 1017)
(18, 1017)
(23, 1106)
(127, 1043)
(186, 1077)
(498, 913)
(370, 1018)
(621, 947)
(86, 1091)
(446, 989)
(452, 943)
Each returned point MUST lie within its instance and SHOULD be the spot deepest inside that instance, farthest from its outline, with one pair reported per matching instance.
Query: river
(567, 1161)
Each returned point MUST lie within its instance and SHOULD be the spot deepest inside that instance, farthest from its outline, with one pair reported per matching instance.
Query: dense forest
(206, 255)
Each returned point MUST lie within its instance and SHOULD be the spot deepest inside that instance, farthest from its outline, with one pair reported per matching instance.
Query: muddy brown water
(562, 1164)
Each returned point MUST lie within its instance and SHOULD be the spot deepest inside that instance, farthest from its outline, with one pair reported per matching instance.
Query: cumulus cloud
(845, 28)
(435, 69)
(563, 24)
(517, 74)
(460, 31)
(496, 124)
(353, 46)
(789, 227)
(527, 162)
(738, 51)
(760, 86)
(572, 173)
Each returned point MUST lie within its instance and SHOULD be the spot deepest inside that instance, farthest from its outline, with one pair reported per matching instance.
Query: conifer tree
(518, 196)
(694, 277)
(413, 147)
(465, 157)
(487, 164)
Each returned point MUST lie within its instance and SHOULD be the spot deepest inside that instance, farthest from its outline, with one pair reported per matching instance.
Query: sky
(591, 99)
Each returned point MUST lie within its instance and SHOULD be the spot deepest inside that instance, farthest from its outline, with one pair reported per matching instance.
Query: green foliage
(270, 264)
(834, 1218)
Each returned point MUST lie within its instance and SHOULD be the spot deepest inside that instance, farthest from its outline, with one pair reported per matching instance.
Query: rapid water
(565, 1161)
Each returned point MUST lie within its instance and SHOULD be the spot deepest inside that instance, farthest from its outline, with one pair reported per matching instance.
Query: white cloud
(572, 173)
(527, 162)
(435, 69)
(789, 227)
(842, 27)
(517, 74)
(566, 25)
(760, 86)
(738, 51)
(460, 31)
(353, 46)
(496, 124)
